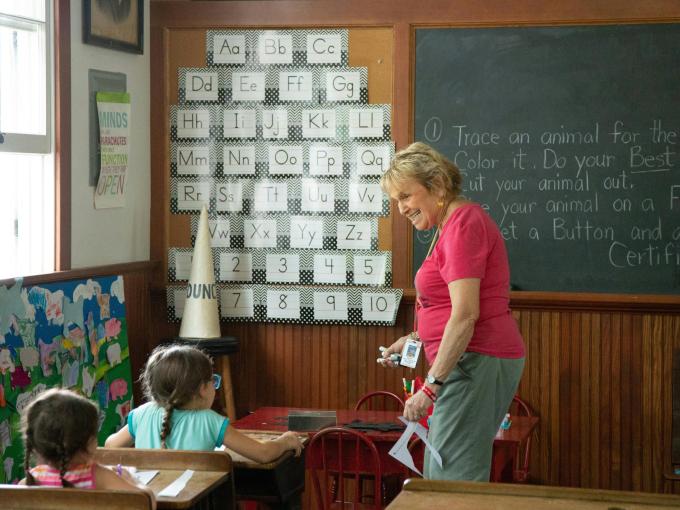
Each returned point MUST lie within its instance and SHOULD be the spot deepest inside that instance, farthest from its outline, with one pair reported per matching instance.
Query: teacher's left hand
(416, 407)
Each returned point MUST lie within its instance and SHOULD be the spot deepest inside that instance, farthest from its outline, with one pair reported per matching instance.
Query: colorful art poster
(113, 112)
(70, 334)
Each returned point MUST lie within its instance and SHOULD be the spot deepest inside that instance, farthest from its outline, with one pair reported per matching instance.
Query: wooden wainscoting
(600, 379)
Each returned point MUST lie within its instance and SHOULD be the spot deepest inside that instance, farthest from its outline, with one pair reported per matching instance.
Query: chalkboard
(569, 136)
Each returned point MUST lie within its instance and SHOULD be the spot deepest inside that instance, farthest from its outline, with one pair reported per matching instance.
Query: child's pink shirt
(470, 246)
(82, 476)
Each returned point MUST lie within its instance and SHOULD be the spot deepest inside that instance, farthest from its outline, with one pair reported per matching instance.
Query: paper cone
(201, 318)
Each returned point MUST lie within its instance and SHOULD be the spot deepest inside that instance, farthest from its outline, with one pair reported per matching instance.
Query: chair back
(21, 497)
(520, 474)
(340, 461)
(380, 401)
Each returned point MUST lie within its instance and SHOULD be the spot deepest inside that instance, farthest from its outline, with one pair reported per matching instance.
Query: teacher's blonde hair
(421, 163)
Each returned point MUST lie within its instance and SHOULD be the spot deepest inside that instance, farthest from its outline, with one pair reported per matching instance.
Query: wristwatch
(433, 380)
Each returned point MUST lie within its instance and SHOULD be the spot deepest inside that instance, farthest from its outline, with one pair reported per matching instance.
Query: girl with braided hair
(180, 386)
(60, 428)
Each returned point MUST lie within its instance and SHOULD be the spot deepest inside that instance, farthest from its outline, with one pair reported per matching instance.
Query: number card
(318, 123)
(247, 86)
(193, 123)
(329, 268)
(193, 160)
(259, 233)
(306, 232)
(330, 306)
(219, 233)
(274, 124)
(179, 299)
(237, 302)
(285, 159)
(317, 196)
(370, 269)
(271, 196)
(365, 197)
(201, 86)
(366, 123)
(229, 196)
(192, 195)
(296, 86)
(238, 160)
(183, 265)
(353, 235)
(283, 304)
(325, 160)
(283, 268)
(378, 306)
(229, 49)
(240, 124)
(236, 267)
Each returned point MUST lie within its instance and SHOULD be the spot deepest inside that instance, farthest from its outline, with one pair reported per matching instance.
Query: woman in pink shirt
(471, 340)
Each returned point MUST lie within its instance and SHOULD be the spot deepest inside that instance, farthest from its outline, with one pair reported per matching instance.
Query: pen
(119, 469)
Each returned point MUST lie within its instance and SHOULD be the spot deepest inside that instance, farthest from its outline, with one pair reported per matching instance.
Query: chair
(387, 401)
(340, 461)
(21, 497)
(520, 473)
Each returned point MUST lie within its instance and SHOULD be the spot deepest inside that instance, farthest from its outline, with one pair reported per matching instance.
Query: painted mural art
(70, 334)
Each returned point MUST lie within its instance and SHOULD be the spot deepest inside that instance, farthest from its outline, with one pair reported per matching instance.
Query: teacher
(471, 341)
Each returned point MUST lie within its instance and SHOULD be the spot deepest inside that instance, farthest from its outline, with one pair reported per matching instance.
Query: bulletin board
(70, 334)
(276, 137)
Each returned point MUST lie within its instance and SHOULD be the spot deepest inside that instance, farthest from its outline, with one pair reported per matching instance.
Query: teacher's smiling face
(418, 204)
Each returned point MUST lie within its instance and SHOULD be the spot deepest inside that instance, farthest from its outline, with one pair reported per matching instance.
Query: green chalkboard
(570, 137)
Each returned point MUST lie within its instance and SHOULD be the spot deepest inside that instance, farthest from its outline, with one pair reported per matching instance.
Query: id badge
(410, 353)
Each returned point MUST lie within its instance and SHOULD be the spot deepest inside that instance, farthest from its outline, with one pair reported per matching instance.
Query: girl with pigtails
(60, 430)
(180, 387)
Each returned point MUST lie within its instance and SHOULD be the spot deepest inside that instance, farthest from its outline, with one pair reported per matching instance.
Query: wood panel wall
(598, 367)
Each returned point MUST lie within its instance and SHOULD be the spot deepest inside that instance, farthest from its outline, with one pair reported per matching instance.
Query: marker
(119, 470)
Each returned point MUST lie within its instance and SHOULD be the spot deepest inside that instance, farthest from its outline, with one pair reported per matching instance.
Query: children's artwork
(70, 334)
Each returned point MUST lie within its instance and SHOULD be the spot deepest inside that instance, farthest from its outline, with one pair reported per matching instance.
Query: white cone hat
(200, 318)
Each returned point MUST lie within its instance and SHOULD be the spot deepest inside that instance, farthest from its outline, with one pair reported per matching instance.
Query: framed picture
(115, 24)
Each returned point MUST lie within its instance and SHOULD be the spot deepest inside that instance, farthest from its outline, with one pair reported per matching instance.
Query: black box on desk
(311, 420)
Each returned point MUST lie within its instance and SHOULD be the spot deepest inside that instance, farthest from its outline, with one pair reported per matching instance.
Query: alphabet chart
(276, 137)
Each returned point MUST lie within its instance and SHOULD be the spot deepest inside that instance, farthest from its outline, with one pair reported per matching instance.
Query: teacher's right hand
(395, 348)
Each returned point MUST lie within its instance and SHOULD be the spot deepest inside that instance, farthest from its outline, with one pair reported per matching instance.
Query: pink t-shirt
(470, 246)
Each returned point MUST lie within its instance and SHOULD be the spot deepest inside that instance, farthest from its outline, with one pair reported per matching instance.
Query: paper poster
(70, 334)
(113, 111)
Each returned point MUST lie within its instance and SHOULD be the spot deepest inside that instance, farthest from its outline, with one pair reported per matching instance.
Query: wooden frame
(114, 25)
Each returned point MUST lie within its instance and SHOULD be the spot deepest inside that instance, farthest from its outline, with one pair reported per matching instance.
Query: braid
(167, 425)
(27, 463)
(62, 471)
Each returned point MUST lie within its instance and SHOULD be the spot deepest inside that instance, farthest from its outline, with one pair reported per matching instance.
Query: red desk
(505, 444)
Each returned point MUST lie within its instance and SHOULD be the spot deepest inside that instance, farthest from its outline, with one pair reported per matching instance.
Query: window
(26, 154)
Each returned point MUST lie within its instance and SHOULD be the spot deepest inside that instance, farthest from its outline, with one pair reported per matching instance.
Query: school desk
(279, 483)
(505, 446)
(20, 497)
(212, 480)
(430, 494)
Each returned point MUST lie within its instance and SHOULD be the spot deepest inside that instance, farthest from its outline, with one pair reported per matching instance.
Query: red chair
(380, 401)
(520, 473)
(340, 461)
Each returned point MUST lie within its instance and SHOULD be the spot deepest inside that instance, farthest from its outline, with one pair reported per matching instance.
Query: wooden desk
(279, 484)
(211, 481)
(20, 497)
(506, 442)
(430, 494)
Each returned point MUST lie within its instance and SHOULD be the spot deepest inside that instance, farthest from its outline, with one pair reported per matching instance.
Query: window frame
(32, 143)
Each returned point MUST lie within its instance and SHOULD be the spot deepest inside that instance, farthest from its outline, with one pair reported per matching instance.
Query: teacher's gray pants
(470, 407)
